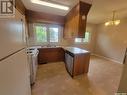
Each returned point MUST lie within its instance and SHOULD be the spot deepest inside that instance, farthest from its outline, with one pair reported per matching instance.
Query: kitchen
(68, 50)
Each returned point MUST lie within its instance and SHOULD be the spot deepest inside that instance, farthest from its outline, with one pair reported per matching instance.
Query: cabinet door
(69, 63)
(50, 55)
(65, 30)
(67, 33)
(71, 27)
(75, 26)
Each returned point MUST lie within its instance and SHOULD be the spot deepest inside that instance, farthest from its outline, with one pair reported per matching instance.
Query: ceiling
(100, 11)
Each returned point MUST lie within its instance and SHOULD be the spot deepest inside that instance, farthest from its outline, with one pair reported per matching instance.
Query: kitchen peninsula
(76, 59)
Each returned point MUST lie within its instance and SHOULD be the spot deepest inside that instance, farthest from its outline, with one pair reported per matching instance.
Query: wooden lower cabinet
(77, 64)
(50, 55)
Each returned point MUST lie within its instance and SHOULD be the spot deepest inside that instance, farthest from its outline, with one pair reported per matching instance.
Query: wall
(108, 41)
(88, 46)
(32, 38)
(111, 41)
(123, 84)
(33, 16)
(67, 42)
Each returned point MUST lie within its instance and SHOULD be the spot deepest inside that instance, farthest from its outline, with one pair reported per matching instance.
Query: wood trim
(33, 16)
(84, 8)
(20, 6)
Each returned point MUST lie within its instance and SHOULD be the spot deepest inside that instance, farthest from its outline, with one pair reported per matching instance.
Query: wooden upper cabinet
(41, 17)
(75, 23)
(20, 6)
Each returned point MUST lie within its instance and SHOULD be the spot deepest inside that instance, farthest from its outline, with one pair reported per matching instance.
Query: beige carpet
(102, 79)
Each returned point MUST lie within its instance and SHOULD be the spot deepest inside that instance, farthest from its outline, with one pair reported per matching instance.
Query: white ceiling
(100, 11)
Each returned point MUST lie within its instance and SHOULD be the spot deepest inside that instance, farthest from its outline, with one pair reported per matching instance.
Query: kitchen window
(47, 33)
(83, 40)
(54, 33)
(41, 33)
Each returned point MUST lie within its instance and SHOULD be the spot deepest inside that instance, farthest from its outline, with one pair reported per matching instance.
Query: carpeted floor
(102, 79)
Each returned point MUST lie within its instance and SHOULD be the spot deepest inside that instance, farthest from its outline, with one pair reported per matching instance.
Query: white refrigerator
(14, 68)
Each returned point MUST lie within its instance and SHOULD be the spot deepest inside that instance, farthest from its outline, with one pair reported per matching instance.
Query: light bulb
(117, 22)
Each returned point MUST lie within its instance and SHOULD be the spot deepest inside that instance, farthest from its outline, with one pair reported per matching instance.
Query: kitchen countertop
(73, 50)
(76, 50)
(45, 47)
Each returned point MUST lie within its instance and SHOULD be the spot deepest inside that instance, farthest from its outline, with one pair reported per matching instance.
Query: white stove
(33, 63)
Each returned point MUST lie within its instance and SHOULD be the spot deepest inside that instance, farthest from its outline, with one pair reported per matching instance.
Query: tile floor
(103, 79)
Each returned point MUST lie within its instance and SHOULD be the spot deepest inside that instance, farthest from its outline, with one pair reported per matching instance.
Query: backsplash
(66, 42)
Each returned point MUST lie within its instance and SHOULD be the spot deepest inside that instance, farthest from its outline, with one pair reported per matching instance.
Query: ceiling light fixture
(44, 3)
(113, 21)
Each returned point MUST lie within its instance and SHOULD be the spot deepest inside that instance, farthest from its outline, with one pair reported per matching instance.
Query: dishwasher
(69, 61)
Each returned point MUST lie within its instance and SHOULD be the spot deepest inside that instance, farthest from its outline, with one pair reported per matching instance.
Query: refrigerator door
(14, 75)
(11, 35)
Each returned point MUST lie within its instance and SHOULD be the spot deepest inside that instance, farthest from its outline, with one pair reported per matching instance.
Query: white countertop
(75, 50)
(44, 47)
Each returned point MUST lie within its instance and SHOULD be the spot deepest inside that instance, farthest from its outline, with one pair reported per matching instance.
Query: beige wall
(67, 42)
(123, 84)
(89, 46)
(111, 41)
(32, 38)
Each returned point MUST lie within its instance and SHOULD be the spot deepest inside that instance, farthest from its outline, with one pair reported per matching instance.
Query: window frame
(82, 42)
(50, 35)
(48, 32)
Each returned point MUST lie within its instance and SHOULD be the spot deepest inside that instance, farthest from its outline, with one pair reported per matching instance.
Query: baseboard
(106, 58)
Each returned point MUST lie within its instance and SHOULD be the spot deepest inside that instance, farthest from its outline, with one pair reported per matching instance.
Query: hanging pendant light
(113, 21)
